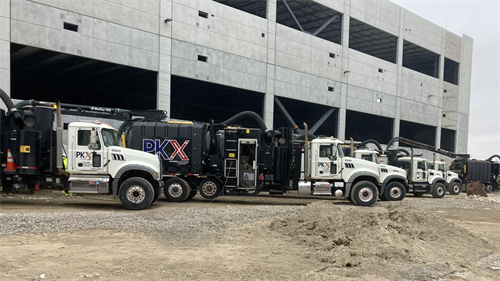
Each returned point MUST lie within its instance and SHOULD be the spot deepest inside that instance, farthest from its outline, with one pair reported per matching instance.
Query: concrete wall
(4, 49)
(256, 54)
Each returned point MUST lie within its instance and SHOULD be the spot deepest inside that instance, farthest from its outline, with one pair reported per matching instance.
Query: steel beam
(285, 112)
(322, 120)
(325, 25)
(293, 16)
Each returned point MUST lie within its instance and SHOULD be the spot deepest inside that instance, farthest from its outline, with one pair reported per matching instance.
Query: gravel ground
(151, 222)
(193, 219)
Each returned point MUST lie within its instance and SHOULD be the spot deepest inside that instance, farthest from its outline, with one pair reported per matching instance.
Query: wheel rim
(136, 194)
(440, 190)
(395, 192)
(365, 194)
(175, 190)
(209, 188)
(456, 188)
(489, 188)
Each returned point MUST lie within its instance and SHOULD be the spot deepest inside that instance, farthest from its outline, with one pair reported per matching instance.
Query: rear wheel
(439, 190)
(395, 191)
(364, 193)
(136, 193)
(456, 188)
(176, 190)
(210, 188)
(489, 188)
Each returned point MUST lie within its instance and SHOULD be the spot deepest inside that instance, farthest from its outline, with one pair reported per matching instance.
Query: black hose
(18, 118)
(376, 143)
(493, 156)
(404, 150)
(244, 114)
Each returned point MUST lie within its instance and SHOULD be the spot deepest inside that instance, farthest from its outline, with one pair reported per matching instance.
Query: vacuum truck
(32, 154)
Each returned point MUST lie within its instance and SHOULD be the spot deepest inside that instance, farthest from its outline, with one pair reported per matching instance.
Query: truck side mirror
(93, 145)
(334, 155)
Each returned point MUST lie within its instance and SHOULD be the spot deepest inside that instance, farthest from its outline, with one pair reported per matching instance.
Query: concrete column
(4, 48)
(271, 64)
(345, 71)
(399, 88)
(165, 58)
(461, 137)
(440, 96)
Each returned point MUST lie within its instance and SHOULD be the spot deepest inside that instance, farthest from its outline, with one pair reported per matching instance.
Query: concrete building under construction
(361, 69)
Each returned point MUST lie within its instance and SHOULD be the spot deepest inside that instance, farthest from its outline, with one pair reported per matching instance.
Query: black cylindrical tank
(29, 152)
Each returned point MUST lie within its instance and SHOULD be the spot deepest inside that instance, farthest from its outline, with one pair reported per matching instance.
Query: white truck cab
(331, 172)
(96, 162)
(452, 180)
(421, 178)
(393, 181)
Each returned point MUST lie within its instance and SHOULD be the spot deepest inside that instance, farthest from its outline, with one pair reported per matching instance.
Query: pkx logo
(158, 146)
(83, 154)
(323, 165)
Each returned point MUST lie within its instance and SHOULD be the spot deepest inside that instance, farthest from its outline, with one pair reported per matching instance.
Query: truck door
(87, 159)
(421, 171)
(247, 163)
(326, 166)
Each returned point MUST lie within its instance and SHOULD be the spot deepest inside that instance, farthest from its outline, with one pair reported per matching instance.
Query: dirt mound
(475, 188)
(367, 237)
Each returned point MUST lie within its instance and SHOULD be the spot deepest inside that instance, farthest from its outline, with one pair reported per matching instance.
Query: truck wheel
(456, 188)
(136, 193)
(395, 191)
(157, 194)
(439, 190)
(364, 193)
(193, 193)
(489, 188)
(251, 192)
(176, 190)
(210, 188)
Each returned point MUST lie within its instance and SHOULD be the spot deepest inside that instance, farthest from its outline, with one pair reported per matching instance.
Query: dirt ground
(416, 239)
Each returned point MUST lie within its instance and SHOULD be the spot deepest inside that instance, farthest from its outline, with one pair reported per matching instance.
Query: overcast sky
(479, 20)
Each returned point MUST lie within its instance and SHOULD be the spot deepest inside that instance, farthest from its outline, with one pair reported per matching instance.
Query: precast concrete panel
(453, 46)
(141, 15)
(372, 14)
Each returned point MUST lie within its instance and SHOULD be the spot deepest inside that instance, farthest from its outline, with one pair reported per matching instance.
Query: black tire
(395, 191)
(136, 193)
(157, 194)
(210, 188)
(456, 187)
(176, 190)
(439, 190)
(488, 188)
(251, 192)
(418, 194)
(193, 193)
(364, 193)
(382, 196)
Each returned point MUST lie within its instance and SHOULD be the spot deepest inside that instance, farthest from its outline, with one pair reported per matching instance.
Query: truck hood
(133, 156)
(393, 169)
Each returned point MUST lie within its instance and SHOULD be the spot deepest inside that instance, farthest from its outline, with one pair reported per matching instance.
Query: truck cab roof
(93, 124)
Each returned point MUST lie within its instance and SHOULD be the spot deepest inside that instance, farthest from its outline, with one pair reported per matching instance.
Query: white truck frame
(95, 160)
(452, 180)
(422, 179)
(333, 173)
(393, 181)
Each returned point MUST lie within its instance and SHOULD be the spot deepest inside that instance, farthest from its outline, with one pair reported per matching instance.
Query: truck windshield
(110, 137)
(441, 167)
(341, 152)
